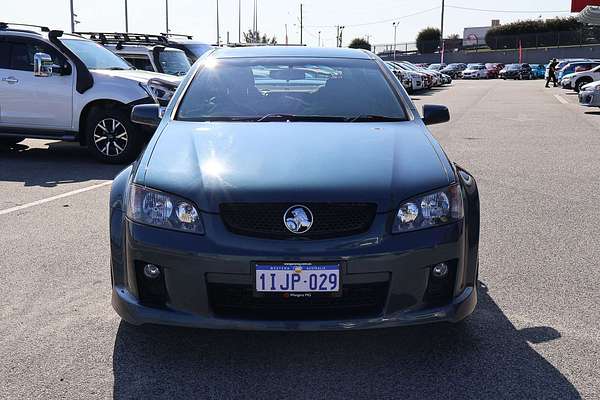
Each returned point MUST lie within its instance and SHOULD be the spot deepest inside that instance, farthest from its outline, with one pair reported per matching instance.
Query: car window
(22, 52)
(95, 56)
(254, 88)
(174, 62)
(139, 62)
(4, 54)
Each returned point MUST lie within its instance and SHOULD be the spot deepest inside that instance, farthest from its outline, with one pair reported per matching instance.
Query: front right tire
(111, 136)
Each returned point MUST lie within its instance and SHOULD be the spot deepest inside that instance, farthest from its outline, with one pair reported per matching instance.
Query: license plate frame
(308, 294)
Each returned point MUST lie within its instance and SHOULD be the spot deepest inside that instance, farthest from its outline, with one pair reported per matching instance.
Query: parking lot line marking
(559, 98)
(48, 199)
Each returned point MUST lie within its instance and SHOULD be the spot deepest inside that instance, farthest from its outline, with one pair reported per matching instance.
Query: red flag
(520, 53)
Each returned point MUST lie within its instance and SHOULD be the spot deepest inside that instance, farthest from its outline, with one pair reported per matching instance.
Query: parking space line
(48, 199)
(559, 98)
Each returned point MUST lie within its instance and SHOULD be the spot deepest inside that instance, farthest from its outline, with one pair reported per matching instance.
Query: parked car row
(415, 78)
(490, 70)
(575, 74)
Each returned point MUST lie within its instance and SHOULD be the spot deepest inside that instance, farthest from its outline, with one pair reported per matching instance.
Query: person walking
(552, 72)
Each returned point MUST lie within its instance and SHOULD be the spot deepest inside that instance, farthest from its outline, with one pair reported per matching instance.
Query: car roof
(291, 51)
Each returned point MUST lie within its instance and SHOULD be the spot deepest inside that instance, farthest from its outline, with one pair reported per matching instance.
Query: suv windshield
(294, 89)
(95, 56)
(174, 62)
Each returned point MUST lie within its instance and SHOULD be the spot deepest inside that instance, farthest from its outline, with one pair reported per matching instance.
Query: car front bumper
(589, 98)
(192, 264)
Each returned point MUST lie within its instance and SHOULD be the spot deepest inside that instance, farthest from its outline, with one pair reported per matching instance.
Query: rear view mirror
(287, 74)
(146, 114)
(42, 65)
(434, 114)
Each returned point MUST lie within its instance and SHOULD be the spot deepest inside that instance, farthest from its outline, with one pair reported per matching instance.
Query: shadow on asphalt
(485, 357)
(60, 163)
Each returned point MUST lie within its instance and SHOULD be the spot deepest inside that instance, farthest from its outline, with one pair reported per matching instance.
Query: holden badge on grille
(298, 219)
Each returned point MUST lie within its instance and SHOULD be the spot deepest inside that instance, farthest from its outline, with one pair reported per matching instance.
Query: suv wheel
(581, 83)
(111, 137)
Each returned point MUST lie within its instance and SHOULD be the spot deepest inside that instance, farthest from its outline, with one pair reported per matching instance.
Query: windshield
(95, 56)
(514, 66)
(174, 62)
(294, 89)
(198, 48)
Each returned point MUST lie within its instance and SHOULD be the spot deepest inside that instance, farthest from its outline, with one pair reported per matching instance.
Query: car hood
(569, 76)
(136, 75)
(211, 163)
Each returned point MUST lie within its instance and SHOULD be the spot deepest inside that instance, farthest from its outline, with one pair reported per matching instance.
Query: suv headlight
(432, 209)
(163, 210)
(159, 91)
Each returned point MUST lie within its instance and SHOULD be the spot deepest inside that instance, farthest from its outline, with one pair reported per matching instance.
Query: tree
(453, 36)
(428, 40)
(255, 37)
(360, 43)
(539, 33)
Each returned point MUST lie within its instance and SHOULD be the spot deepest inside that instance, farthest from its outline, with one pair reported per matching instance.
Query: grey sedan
(292, 188)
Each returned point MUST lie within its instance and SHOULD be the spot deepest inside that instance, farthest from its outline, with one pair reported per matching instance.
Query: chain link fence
(583, 37)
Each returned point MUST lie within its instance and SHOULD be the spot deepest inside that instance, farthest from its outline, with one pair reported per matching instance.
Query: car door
(27, 101)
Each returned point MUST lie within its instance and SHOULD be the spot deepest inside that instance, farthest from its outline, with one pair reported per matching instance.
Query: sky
(369, 19)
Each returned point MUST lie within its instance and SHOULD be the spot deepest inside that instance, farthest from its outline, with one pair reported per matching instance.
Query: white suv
(577, 80)
(146, 52)
(65, 87)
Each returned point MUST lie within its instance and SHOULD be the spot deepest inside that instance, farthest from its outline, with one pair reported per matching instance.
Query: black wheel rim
(110, 137)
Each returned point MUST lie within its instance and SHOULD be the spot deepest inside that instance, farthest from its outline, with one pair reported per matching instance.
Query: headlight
(156, 208)
(160, 91)
(436, 208)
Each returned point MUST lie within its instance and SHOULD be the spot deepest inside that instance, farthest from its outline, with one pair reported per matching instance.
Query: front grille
(356, 300)
(329, 219)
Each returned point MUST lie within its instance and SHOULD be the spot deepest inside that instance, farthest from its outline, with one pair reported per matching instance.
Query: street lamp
(395, 25)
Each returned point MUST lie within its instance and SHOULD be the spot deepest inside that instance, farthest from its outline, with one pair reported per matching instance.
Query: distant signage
(475, 37)
(578, 5)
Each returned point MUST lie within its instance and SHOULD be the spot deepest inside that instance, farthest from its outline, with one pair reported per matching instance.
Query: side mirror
(433, 114)
(42, 65)
(146, 114)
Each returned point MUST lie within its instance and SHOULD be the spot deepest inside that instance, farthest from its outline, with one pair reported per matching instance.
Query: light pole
(442, 28)
(126, 18)
(301, 26)
(319, 38)
(239, 21)
(167, 15)
(395, 25)
(218, 33)
(72, 17)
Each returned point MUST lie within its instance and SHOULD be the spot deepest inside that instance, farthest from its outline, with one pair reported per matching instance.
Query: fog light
(151, 271)
(440, 270)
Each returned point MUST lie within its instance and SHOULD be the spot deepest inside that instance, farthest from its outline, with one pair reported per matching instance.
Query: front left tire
(111, 137)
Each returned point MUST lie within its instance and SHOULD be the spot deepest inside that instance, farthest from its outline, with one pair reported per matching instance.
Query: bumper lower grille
(238, 301)
(266, 219)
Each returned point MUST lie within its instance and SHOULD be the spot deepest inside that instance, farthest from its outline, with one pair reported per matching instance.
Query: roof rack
(190, 37)
(6, 26)
(125, 38)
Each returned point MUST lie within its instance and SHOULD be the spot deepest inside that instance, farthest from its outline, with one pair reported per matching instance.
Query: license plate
(297, 277)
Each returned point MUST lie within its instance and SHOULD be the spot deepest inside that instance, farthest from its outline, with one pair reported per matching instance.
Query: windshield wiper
(373, 118)
(294, 117)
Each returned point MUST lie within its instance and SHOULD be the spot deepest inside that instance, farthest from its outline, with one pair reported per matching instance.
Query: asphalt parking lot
(536, 333)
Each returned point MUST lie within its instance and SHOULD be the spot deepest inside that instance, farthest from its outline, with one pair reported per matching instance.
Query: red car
(493, 69)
